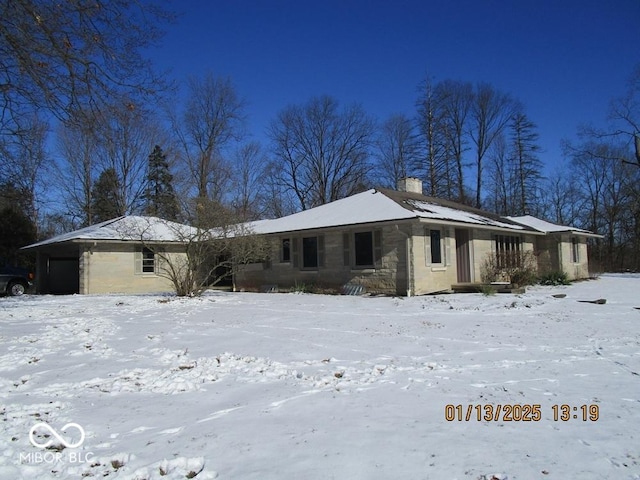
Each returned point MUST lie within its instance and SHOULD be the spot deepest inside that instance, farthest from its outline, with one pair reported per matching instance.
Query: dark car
(15, 281)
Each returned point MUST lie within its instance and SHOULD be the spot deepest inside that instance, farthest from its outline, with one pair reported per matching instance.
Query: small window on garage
(145, 261)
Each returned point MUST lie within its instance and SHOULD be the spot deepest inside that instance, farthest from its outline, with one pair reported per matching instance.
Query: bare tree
(490, 114)
(625, 116)
(456, 99)
(247, 182)
(397, 149)
(61, 56)
(443, 116)
(197, 258)
(610, 193)
(126, 134)
(322, 151)
(279, 200)
(561, 198)
(75, 172)
(24, 161)
(501, 191)
(211, 121)
(118, 139)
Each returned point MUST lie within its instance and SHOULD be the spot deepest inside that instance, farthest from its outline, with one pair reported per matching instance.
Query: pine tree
(105, 197)
(527, 165)
(17, 226)
(159, 197)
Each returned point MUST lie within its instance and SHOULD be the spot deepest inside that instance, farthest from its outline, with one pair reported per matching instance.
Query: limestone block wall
(574, 270)
(547, 252)
(555, 254)
(110, 268)
(388, 276)
(484, 245)
(429, 277)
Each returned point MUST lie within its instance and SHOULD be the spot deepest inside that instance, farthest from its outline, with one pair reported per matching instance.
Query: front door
(463, 260)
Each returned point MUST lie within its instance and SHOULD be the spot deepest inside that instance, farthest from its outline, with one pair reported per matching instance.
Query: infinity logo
(46, 426)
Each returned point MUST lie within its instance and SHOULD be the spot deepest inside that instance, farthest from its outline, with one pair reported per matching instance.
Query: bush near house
(554, 279)
(519, 268)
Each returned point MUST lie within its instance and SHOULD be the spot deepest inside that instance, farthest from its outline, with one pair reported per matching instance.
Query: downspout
(408, 249)
(560, 259)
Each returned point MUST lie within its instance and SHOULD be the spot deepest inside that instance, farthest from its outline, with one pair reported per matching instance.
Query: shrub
(554, 279)
(524, 276)
(487, 290)
(301, 288)
(520, 268)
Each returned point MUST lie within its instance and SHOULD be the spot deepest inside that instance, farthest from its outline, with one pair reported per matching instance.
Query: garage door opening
(63, 276)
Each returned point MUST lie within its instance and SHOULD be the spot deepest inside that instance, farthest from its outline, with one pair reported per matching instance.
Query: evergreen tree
(17, 228)
(159, 197)
(527, 166)
(105, 198)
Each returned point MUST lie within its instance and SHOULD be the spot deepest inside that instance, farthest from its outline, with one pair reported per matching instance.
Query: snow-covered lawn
(289, 386)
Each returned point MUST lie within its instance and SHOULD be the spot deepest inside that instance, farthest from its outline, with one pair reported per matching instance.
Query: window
(435, 246)
(313, 252)
(363, 248)
(285, 250)
(575, 250)
(145, 261)
(367, 249)
(508, 251)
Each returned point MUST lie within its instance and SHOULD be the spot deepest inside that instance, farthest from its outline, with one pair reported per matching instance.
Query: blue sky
(564, 60)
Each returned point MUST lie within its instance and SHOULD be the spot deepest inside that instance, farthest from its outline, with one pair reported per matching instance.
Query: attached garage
(58, 269)
(110, 257)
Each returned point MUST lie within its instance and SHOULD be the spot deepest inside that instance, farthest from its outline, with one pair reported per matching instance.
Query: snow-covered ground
(290, 386)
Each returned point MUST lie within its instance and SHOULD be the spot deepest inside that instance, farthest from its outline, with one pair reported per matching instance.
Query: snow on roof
(379, 206)
(371, 206)
(366, 207)
(129, 228)
(548, 227)
(439, 212)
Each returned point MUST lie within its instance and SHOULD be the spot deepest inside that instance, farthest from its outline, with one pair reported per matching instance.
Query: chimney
(410, 184)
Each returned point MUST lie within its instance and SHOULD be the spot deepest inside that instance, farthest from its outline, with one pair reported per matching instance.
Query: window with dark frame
(508, 251)
(148, 261)
(285, 252)
(435, 238)
(309, 252)
(363, 249)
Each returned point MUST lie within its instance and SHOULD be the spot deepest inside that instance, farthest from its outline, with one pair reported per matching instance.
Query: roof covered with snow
(371, 206)
(129, 228)
(548, 227)
(382, 205)
(366, 207)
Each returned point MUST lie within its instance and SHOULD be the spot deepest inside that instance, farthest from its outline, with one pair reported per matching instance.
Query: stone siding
(387, 276)
(110, 268)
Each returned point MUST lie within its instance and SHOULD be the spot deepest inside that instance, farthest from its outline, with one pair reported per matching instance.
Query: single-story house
(402, 242)
(116, 256)
(397, 242)
(561, 248)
